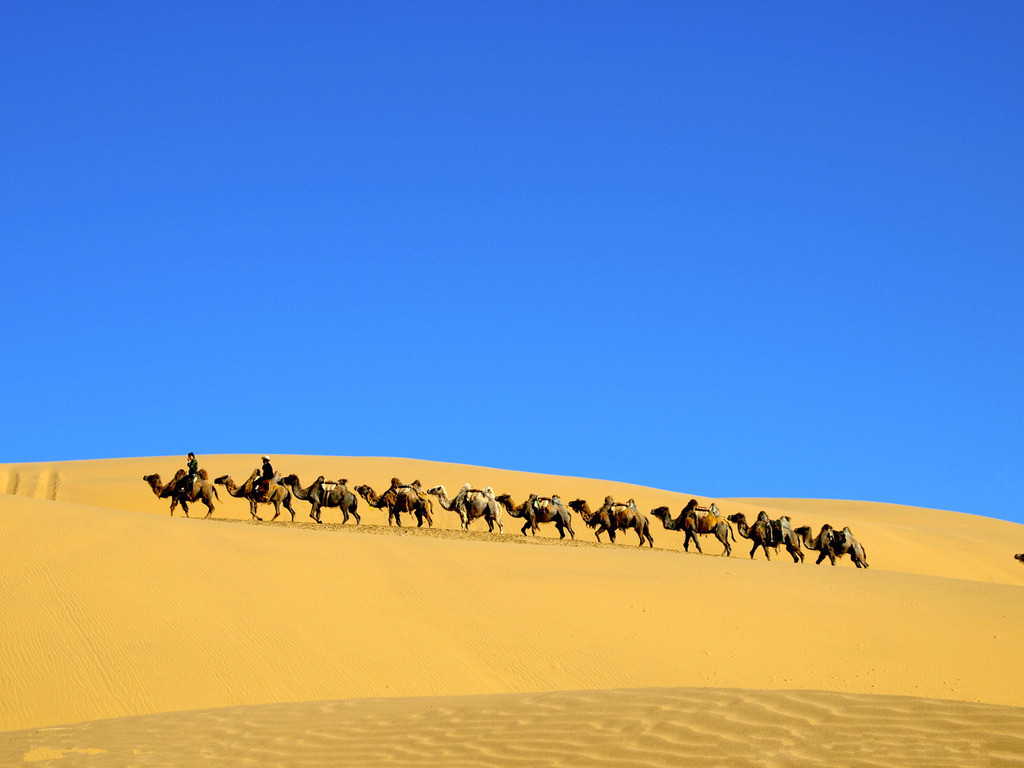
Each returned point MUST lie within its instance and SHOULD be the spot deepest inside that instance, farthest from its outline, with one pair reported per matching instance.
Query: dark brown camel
(831, 543)
(781, 533)
(399, 498)
(693, 524)
(539, 510)
(276, 494)
(202, 490)
(761, 534)
(325, 494)
(613, 516)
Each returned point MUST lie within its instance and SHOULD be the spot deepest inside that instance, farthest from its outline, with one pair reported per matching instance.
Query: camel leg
(723, 537)
(690, 535)
(525, 526)
(209, 504)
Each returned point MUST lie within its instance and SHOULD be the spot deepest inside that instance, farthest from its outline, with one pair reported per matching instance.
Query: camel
(325, 494)
(781, 532)
(1019, 557)
(539, 510)
(692, 524)
(400, 498)
(831, 543)
(762, 535)
(613, 516)
(202, 490)
(277, 494)
(471, 504)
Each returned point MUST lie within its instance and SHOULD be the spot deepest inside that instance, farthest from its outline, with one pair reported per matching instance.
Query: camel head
(662, 512)
(222, 480)
(580, 507)
(738, 518)
(366, 492)
(290, 480)
(155, 483)
(1019, 557)
(437, 490)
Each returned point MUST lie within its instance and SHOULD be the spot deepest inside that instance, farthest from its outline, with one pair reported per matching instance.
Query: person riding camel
(188, 482)
(266, 477)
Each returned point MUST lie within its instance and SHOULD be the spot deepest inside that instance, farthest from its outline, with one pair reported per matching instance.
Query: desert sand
(131, 637)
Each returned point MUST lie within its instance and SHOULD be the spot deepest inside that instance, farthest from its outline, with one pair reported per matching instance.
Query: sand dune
(649, 727)
(468, 648)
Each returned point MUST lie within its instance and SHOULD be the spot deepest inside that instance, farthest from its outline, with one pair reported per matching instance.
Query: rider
(188, 482)
(266, 475)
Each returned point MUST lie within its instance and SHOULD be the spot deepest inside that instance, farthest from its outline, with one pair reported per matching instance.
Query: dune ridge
(645, 727)
(114, 610)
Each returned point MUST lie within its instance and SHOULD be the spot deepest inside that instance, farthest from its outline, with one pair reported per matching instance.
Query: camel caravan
(265, 486)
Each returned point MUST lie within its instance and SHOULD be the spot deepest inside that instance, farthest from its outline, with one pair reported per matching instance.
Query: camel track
(445, 533)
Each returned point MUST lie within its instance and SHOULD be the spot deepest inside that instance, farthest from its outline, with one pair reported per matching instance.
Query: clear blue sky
(724, 248)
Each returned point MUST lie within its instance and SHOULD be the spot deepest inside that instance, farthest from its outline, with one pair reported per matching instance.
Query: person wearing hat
(266, 476)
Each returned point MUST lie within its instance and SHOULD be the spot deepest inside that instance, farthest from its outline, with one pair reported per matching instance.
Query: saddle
(262, 487)
(837, 538)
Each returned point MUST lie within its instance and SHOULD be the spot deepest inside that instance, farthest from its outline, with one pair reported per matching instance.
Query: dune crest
(655, 726)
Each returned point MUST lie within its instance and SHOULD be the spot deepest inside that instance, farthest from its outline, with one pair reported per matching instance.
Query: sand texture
(130, 637)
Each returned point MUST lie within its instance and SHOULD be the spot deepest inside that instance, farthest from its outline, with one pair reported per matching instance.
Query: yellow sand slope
(114, 609)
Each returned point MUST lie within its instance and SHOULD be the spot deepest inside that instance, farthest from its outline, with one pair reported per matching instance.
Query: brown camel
(399, 498)
(613, 516)
(276, 494)
(831, 543)
(536, 510)
(471, 504)
(202, 490)
(325, 494)
(693, 524)
(762, 536)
